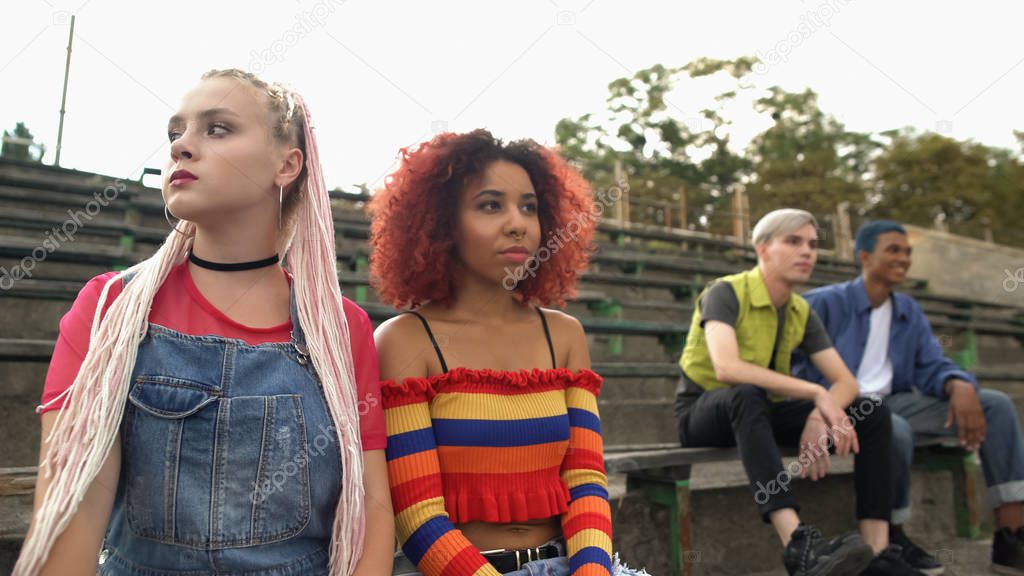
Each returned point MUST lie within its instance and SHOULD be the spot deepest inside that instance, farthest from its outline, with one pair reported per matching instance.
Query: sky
(382, 75)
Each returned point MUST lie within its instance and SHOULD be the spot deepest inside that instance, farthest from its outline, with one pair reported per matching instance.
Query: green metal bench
(663, 477)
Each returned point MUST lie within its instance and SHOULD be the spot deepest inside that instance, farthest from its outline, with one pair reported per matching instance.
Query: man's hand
(839, 426)
(814, 459)
(965, 411)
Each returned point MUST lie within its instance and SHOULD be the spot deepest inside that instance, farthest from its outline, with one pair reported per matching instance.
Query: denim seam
(160, 413)
(220, 436)
(177, 382)
(227, 368)
(255, 518)
(171, 483)
(126, 444)
(304, 447)
(301, 562)
(170, 415)
(289, 568)
(139, 570)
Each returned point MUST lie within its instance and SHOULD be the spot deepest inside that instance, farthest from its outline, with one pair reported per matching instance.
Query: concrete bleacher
(635, 303)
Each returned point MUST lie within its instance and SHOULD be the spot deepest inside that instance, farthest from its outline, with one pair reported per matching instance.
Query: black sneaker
(914, 555)
(1008, 551)
(890, 563)
(810, 554)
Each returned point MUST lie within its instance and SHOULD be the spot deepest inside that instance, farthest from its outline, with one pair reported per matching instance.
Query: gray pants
(1002, 452)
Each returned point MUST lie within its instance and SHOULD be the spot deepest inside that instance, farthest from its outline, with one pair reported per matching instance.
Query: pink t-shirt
(180, 306)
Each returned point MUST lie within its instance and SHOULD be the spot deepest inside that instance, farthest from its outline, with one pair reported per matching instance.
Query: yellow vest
(756, 327)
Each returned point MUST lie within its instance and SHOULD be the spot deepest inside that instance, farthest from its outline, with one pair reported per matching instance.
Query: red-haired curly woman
(494, 441)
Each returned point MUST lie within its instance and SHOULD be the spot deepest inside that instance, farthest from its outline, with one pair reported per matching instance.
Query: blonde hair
(87, 427)
(781, 221)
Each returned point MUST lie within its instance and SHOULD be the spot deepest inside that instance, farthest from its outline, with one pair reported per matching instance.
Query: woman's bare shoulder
(563, 322)
(401, 347)
(568, 338)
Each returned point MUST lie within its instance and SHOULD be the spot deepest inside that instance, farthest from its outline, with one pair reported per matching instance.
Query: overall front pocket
(211, 472)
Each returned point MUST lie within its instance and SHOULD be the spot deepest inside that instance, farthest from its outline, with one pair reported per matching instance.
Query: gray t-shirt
(721, 304)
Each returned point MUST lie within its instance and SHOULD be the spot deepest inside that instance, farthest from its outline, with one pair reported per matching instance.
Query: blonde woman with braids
(219, 412)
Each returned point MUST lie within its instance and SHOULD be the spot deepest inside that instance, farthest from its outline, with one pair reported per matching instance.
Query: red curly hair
(414, 260)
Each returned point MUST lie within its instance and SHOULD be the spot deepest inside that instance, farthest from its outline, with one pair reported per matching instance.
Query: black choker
(234, 266)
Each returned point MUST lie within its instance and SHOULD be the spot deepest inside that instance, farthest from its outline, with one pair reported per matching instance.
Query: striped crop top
(496, 446)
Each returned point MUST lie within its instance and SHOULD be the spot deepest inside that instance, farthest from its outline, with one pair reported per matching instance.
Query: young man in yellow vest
(736, 391)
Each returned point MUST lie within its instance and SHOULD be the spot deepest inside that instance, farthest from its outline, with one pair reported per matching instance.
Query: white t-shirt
(875, 371)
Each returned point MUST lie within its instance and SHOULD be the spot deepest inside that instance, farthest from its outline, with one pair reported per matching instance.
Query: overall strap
(127, 277)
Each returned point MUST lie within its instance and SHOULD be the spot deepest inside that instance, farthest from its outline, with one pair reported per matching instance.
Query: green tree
(924, 178)
(660, 146)
(1001, 211)
(806, 159)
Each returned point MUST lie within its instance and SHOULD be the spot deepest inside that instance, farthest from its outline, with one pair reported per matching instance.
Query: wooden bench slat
(17, 481)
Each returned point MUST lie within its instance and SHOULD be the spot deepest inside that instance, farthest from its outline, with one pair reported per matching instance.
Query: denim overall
(230, 462)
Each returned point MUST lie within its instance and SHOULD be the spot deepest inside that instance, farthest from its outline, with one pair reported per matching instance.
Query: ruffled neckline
(516, 379)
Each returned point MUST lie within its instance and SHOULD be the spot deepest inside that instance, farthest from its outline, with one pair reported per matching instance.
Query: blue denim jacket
(230, 462)
(916, 356)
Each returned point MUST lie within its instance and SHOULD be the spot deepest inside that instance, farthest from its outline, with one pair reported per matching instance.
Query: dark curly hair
(415, 215)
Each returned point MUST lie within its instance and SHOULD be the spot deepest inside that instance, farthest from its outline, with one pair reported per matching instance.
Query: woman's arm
(731, 369)
(378, 551)
(379, 545)
(428, 537)
(587, 525)
(76, 550)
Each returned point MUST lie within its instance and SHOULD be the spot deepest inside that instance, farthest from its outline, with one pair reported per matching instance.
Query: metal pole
(64, 95)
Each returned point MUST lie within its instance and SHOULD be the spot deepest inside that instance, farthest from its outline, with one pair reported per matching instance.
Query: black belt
(506, 561)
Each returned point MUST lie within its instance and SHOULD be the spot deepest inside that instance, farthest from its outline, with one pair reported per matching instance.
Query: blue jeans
(230, 462)
(1002, 452)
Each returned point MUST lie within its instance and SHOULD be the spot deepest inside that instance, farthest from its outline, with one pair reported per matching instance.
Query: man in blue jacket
(887, 342)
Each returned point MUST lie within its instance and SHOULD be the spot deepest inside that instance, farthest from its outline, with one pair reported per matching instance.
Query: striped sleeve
(428, 537)
(587, 525)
